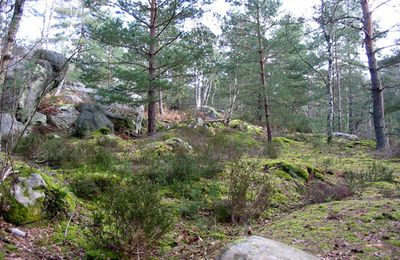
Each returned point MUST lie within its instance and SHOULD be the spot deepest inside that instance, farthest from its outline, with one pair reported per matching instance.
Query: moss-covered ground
(331, 201)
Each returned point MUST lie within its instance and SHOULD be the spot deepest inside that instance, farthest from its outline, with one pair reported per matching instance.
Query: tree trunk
(351, 121)
(198, 89)
(309, 96)
(6, 56)
(339, 89)
(329, 93)
(8, 45)
(262, 77)
(151, 113)
(329, 88)
(382, 141)
(233, 92)
(161, 102)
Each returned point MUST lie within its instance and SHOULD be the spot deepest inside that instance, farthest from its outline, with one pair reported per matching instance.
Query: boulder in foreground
(260, 248)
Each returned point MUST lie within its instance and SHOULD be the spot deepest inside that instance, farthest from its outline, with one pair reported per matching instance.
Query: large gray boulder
(121, 111)
(260, 248)
(65, 117)
(211, 113)
(135, 114)
(9, 126)
(30, 78)
(74, 93)
(91, 118)
(350, 137)
(27, 190)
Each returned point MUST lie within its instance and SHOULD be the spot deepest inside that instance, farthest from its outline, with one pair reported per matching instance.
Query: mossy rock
(216, 125)
(362, 143)
(283, 141)
(245, 127)
(101, 132)
(37, 202)
(19, 214)
(162, 148)
(293, 169)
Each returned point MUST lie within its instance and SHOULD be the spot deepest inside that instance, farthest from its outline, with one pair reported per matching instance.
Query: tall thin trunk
(152, 128)
(351, 120)
(382, 141)
(161, 102)
(329, 88)
(9, 42)
(5, 59)
(233, 92)
(339, 89)
(329, 93)
(198, 89)
(262, 77)
(309, 94)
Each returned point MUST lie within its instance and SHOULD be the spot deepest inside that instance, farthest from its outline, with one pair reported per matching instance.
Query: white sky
(387, 15)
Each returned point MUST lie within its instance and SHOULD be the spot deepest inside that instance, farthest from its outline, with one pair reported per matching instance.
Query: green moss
(101, 254)
(282, 174)
(19, 214)
(394, 242)
(284, 141)
(218, 125)
(245, 127)
(294, 170)
(325, 224)
(362, 143)
(162, 148)
(218, 235)
(10, 248)
(56, 200)
(100, 132)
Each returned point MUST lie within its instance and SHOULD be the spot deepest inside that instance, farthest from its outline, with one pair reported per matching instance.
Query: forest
(199, 129)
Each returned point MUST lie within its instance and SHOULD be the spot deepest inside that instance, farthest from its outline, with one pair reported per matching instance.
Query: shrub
(91, 186)
(222, 212)
(249, 190)
(319, 192)
(58, 152)
(376, 172)
(272, 150)
(173, 167)
(132, 218)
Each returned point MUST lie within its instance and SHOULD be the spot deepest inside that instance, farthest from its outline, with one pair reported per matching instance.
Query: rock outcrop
(31, 78)
(90, 119)
(350, 137)
(9, 126)
(260, 248)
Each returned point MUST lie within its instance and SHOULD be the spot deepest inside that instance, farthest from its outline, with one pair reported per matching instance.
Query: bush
(272, 150)
(249, 191)
(319, 192)
(376, 172)
(132, 218)
(179, 167)
(91, 186)
(57, 152)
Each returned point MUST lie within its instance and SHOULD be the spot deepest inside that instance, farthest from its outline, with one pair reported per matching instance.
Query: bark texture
(382, 141)
(151, 126)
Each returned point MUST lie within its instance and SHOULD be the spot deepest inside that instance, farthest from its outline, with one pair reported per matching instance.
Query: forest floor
(336, 202)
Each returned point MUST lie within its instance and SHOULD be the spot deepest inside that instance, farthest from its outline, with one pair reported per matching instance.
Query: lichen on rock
(36, 196)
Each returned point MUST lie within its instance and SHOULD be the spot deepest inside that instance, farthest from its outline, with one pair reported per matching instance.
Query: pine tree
(149, 30)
